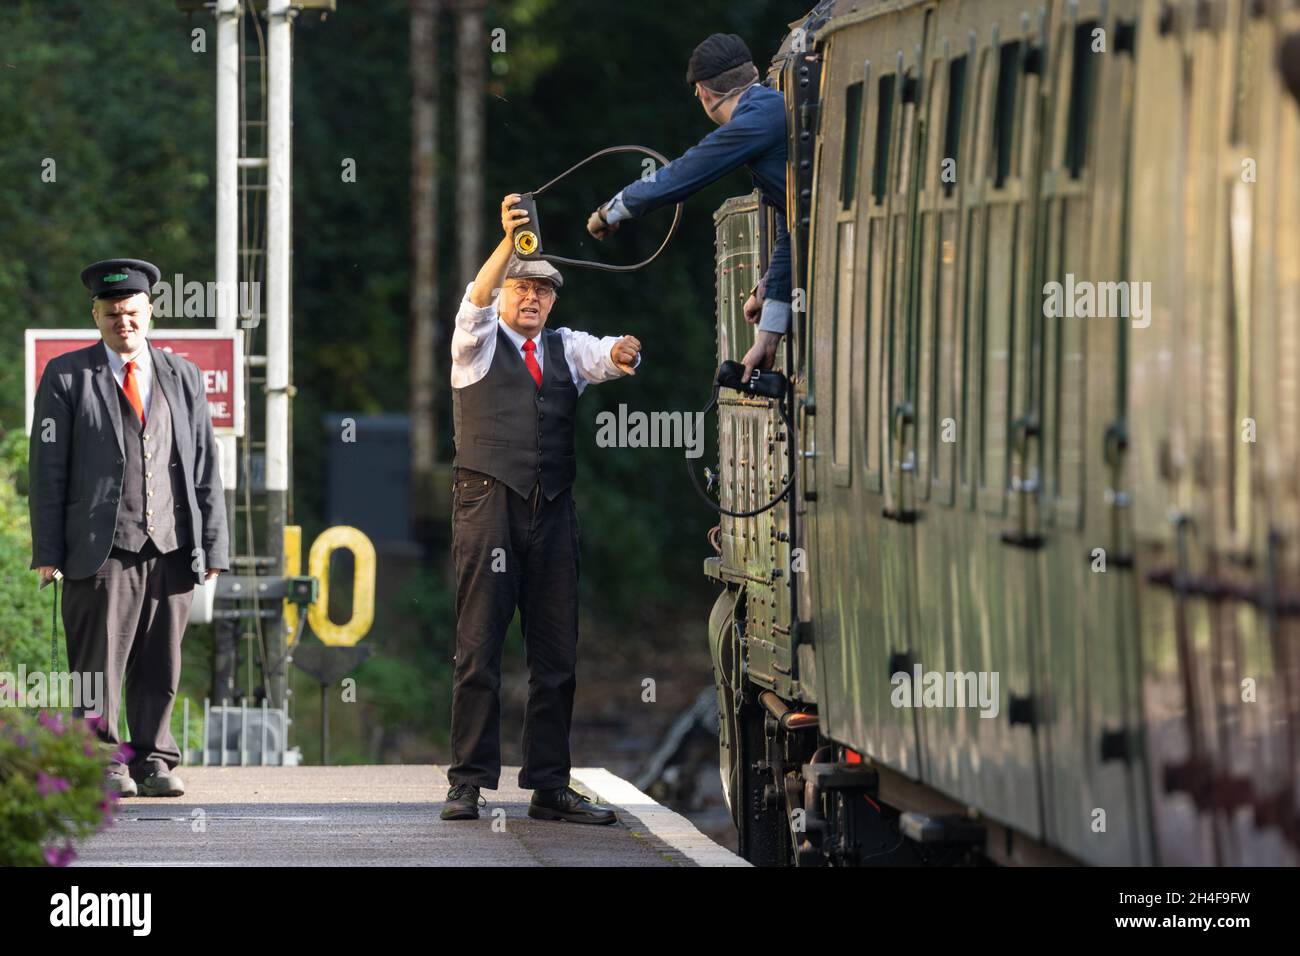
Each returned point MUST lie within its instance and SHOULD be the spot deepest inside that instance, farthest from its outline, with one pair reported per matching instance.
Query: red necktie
(132, 390)
(531, 361)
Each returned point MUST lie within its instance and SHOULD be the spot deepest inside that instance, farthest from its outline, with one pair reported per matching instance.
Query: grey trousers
(127, 621)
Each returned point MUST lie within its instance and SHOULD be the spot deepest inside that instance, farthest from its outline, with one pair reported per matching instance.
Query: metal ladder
(256, 625)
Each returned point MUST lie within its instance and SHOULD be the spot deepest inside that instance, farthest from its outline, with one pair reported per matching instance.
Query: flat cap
(115, 278)
(533, 269)
(717, 54)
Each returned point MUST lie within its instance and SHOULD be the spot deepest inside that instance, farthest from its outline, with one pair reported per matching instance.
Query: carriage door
(898, 84)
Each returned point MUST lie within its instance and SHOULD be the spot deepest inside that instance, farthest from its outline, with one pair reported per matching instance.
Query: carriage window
(1082, 80)
(952, 124)
(907, 117)
(1004, 116)
(843, 345)
(884, 124)
(849, 155)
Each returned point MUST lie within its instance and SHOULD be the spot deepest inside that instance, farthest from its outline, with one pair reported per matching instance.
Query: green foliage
(112, 92)
(24, 611)
(575, 76)
(108, 98)
(51, 787)
(403, 692)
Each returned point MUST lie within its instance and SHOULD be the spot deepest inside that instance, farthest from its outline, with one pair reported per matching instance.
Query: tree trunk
(425, 377)
(471, 69)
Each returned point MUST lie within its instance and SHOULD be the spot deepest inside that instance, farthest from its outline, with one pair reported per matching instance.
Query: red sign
(219, 356)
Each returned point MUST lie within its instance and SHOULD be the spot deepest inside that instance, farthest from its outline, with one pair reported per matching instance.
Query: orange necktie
(132, 389)
(530, 360)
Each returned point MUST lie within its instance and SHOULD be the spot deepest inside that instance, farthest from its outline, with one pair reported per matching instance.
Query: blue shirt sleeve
(747, 136)
(777, 280)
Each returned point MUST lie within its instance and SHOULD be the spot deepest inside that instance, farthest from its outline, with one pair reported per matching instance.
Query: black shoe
(567, 804)
(463, 801)
(120, 784)
(162, 783)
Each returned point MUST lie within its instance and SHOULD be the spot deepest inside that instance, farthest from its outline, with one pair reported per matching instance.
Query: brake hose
(769, 384)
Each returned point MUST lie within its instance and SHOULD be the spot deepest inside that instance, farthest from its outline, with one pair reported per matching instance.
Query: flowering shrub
(52, 789)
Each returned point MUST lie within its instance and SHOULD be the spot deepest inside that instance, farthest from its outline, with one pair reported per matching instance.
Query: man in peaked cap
(126, 501)
(515, 386)
(751, 132)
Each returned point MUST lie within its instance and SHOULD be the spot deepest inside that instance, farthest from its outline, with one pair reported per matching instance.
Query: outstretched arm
(726, 148)
(595, 359)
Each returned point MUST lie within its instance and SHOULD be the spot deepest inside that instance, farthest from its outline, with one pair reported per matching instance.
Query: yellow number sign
(318, 566)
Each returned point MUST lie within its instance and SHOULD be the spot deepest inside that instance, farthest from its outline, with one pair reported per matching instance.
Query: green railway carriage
(1086, 495)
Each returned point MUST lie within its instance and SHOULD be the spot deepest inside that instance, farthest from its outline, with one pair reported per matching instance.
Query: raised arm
(493, 272)
(476, 319)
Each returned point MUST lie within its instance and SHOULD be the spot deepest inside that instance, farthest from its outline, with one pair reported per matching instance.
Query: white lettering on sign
(218, 410)
(216, 380)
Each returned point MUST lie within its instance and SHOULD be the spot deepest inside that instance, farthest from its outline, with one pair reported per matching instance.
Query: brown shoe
(120, 784)
(162, 783)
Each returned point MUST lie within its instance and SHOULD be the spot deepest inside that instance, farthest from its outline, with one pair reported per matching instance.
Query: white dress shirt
(143, 371)
(474, 342)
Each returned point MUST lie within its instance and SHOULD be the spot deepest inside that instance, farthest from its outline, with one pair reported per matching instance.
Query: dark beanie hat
(717, 54)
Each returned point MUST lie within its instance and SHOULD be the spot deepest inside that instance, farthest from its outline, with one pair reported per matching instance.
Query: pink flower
(60, 856)
(51, 722)
(46, 785)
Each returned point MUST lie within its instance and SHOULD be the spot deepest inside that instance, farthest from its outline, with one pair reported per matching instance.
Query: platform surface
(385, 816)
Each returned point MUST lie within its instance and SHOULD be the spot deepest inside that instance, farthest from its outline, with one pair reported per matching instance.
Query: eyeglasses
(544, 290)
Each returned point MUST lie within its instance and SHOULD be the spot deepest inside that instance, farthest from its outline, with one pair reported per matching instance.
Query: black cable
(785, 489)
(604, 267)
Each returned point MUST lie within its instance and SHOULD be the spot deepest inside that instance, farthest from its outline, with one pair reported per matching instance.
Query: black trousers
(513, 552)
(127, 620)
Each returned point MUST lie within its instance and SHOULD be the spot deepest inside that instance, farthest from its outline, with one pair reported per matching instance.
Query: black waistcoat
(153, 486)
(510, 429)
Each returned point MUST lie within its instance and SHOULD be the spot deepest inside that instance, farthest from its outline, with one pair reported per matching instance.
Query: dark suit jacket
(76, 478)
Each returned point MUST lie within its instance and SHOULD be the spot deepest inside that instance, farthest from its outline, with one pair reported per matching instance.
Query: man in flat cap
(126, 501)
(751, 132)
(515, 386)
